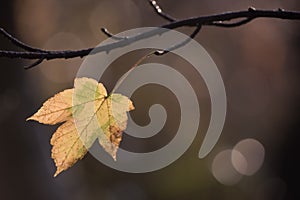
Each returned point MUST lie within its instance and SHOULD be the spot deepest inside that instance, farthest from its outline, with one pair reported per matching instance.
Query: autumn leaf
(67, 147)
(89, 114)
(56, 109)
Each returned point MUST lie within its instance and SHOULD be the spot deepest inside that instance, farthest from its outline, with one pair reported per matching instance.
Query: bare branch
(160, 12)
(110, 35)
(210, 20)
(39, 61)
(18, 43)
(229, 25)
(176, 46)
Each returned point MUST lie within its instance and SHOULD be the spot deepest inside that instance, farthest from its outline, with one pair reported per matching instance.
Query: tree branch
(18, 43)
(160, 12)
(210, 20)
(176, 46)
(110, 35)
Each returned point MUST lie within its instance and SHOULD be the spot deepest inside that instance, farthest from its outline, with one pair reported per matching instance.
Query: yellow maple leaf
(88, 114)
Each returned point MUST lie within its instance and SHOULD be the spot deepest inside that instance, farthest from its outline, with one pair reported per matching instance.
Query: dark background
(259, 63)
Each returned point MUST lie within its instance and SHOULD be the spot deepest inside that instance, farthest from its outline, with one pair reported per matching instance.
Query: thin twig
(18, 43)
(39, 61)
(110, 35)
(160, 12)
(176, 46)
(230, 25)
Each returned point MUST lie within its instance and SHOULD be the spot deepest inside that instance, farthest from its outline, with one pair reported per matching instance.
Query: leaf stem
(121, 80)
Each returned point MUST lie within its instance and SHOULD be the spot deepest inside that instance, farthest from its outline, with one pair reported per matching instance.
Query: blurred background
(256, 156)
